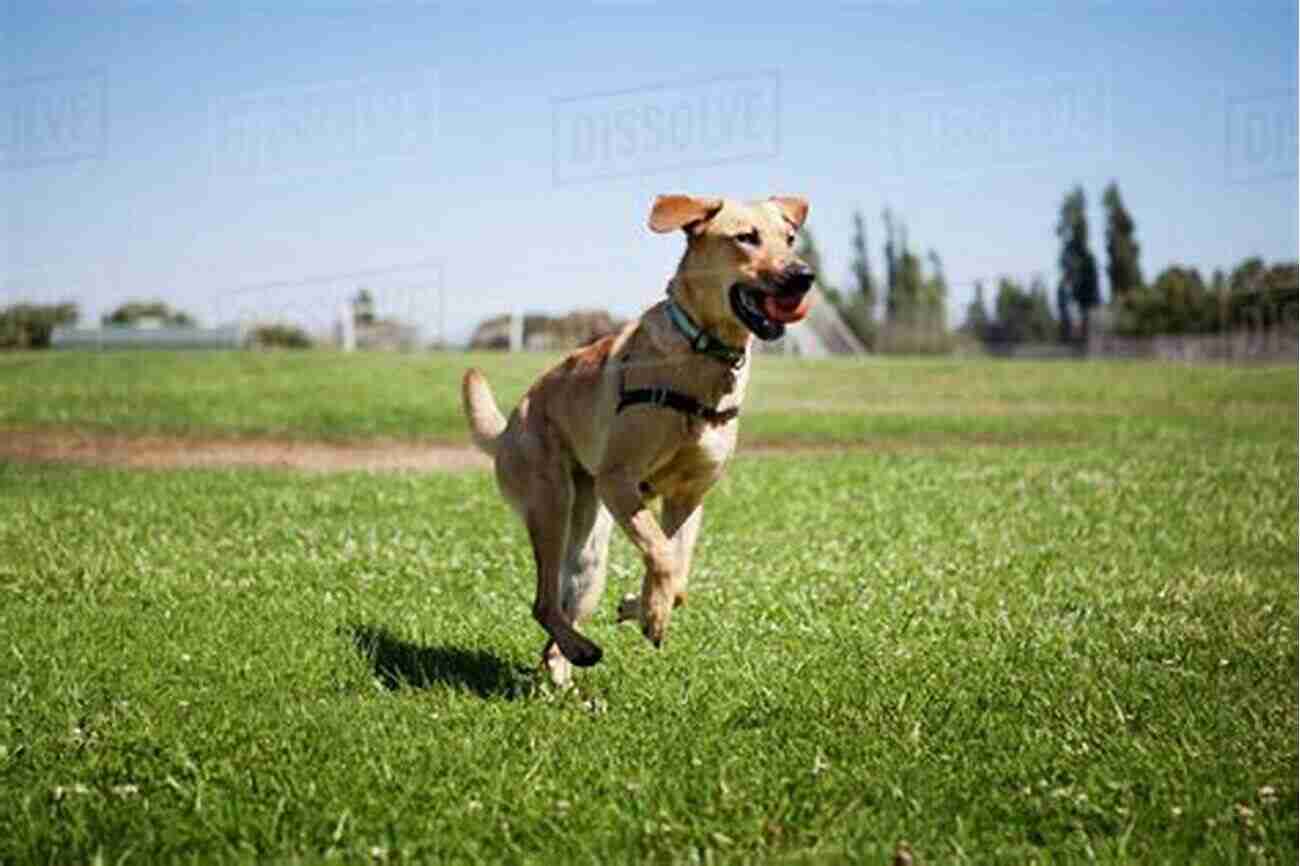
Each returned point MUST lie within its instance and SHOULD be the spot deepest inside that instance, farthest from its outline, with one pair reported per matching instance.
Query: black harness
(669, 399)
(704, 343)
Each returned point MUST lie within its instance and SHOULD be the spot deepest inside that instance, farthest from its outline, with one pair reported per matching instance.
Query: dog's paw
(655, 609)
(560, 671)
(629, 608)
(557, 667)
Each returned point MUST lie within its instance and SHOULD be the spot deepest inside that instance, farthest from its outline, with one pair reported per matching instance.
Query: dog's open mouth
(767, 314)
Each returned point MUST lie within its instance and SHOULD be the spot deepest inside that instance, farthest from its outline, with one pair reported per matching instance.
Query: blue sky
(265, 160)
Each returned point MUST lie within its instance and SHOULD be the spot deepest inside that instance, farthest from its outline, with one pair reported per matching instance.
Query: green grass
(327, 395)
(1076, 642)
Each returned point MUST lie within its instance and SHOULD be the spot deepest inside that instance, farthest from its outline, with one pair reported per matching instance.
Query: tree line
(906, 310)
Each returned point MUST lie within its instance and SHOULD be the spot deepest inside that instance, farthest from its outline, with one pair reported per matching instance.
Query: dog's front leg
(681, 523)
(621, 494)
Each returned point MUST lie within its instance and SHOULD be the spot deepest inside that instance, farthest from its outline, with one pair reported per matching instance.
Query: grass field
(1030, 613)
(326, 395)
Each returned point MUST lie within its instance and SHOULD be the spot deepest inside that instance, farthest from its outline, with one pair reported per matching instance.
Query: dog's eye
(790, 238)
(750, 237)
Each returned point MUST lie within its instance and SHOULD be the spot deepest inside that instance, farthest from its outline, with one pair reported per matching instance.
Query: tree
(29, 326)
(1042, 328)
(133, 311)
(977, 317)
(856, 306)
(909, 289)
(280, 337)
(1253, 296)
(933, 302)
(1222, 299)
(861, 268)
(1262, 296)
(916, 302)
(1177, 303)
(1023, 315)
(1122, 269)
(1078, 266)
(891, 268)
(1063, 313)
(363, 308)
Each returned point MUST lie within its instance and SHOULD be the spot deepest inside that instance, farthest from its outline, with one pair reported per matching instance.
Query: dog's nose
(798, 279)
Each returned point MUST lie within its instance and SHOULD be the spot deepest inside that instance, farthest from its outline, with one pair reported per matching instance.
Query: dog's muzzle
(766, 311)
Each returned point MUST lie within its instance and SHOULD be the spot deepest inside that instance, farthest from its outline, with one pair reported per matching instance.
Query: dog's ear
(672, 212)
(793, 208)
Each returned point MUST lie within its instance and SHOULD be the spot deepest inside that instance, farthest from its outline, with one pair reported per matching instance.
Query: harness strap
(675, 400)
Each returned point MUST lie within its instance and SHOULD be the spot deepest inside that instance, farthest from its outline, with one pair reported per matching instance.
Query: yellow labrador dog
(647, 413)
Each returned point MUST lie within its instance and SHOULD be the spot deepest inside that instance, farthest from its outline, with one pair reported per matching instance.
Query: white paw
(559, 670)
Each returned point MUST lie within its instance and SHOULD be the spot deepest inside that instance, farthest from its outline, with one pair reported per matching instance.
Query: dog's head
(740, 264)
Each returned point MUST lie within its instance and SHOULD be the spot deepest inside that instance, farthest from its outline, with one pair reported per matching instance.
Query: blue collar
(701, 340)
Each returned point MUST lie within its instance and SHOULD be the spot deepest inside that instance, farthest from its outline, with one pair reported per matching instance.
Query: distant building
(543, 333)
(387, 335)
(148, 333)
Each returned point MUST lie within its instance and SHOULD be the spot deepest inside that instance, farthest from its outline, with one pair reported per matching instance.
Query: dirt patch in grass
(381, 455)
(172, 452)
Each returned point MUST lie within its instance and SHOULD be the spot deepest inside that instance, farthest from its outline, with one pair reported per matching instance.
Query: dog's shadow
(398, 664)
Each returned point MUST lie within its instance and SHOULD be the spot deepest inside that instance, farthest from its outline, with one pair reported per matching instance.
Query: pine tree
(891, 269)
(911, 286)
(861, 267)
(1122, 268)
(1063, 313)
(1078, 266)
(934, 301)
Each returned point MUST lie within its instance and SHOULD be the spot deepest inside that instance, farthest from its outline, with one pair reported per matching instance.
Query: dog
(647, 413)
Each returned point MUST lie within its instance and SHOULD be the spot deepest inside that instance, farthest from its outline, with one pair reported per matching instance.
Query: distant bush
(28, 326)
(133, 311)
(279, 337)
(1180, 301)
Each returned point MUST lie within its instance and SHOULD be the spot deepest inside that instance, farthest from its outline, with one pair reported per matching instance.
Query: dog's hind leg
(547, 515)
(588, 553)
(582, 577)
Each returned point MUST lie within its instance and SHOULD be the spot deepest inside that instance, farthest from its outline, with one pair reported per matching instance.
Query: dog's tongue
(787, 310)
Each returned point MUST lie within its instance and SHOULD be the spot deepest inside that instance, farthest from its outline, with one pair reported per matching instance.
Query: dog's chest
(698, 464)
(715, 444)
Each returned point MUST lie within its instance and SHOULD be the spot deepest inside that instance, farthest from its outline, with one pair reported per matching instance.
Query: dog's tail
(485, 420)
